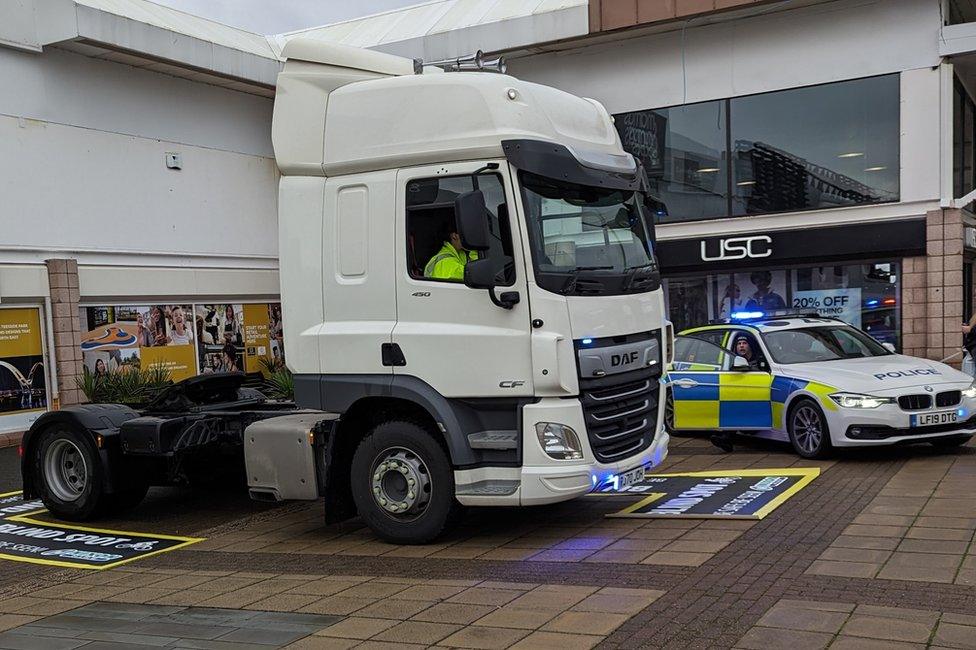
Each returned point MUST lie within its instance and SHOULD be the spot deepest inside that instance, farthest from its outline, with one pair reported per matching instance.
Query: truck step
(493, 440)
(497, 488)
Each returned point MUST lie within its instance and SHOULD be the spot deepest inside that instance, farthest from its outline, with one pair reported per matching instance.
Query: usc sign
(737, 248)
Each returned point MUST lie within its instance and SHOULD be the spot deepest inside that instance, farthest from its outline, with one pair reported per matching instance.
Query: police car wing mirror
(740, 363)
(472, 220)
(483, 274)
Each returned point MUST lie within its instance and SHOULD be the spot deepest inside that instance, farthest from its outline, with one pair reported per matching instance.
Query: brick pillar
(914, 296)
(943, 282)
(62, 278)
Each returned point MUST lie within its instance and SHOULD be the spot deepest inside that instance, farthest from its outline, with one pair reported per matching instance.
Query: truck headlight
(858, 401)
(971, 391)
(559, 441)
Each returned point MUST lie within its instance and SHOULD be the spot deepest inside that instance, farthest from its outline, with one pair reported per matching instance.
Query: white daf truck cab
(532, 379)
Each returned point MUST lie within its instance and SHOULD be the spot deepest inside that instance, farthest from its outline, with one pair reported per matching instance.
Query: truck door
(707, 393)
(451, 336)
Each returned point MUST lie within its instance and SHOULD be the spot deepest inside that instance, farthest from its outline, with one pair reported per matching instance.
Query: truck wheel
(808, 430)
(70, 474)
(403, 483)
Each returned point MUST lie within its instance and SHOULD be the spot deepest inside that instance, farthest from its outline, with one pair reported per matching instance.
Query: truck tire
(403, 483)
(69, 473)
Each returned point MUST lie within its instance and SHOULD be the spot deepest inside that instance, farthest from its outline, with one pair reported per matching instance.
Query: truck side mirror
(480, 274)
(483, 274)
(472, 220)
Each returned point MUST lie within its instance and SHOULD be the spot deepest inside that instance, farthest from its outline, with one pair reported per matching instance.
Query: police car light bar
(739, 316)
(747, 315)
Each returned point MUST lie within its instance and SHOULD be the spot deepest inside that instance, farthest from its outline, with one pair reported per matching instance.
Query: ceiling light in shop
(851, 154)
(708, 170)
(741, 183)
(876, 168)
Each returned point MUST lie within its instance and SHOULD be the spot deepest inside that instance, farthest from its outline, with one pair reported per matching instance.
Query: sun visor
(594, 168)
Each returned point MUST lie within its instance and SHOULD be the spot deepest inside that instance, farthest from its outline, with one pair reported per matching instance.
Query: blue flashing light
(872, 303)
(593, 478)
(746, 315)
(587, 341)
(961, 413)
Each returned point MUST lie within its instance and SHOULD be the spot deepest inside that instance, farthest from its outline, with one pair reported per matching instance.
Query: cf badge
(511, 383)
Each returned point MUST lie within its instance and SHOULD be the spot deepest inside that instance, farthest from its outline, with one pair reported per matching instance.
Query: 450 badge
(24, 539)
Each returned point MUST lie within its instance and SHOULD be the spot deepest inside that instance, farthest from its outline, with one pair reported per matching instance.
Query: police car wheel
(808, 430)
(403, 483)
(669, 412)
(68, 474)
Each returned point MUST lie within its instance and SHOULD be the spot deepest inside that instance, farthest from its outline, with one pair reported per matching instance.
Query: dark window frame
(428, 206)
(727, 106)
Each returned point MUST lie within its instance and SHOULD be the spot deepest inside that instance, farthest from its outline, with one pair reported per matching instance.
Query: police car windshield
(828, 343)
(587, 240)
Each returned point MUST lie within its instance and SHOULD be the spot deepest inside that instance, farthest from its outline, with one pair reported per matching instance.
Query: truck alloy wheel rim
(400, 483)
(807, 429)
(65, 470)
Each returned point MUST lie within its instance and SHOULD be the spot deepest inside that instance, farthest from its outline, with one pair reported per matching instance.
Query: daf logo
(623, 359)
(737, 248)
(928, 389)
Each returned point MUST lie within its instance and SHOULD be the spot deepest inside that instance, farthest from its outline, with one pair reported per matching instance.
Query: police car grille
(915, 402)
(620, 413)
(948, 398)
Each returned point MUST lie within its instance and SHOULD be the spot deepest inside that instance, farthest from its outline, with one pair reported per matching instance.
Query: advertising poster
(25, 539)
(117, 338)
(844, 304)
(761, 290)
(221, 333)
(262, 337)
(731, 494)
(22, 381)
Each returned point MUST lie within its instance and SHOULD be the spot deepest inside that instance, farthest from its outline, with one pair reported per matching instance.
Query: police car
(816, 382)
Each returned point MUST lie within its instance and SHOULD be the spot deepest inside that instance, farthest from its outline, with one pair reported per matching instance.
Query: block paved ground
(877, 552)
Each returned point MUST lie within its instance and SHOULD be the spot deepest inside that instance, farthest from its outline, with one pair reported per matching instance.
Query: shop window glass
(819, 147)
(864, 295)
(683, 150)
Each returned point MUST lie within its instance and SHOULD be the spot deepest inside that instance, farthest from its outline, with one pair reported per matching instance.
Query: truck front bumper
(541, 479)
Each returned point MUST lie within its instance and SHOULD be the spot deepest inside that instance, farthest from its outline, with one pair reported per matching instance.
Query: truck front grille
(620, 412)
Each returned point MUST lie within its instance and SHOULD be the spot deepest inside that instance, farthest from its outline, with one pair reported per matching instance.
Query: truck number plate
(627, 479)
(932, 419)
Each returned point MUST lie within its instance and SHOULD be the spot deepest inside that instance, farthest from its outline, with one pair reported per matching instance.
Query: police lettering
(894, 374)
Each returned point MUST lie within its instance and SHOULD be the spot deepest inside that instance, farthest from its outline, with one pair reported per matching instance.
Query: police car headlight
(858, 401)
(559, 441)
(971, 391)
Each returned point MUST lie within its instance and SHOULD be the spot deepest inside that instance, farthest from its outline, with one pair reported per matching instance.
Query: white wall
(834, 41)
(82, 168)
(827, 42)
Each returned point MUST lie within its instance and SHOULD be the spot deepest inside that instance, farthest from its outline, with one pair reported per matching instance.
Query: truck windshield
(587, 240)
(821, 344)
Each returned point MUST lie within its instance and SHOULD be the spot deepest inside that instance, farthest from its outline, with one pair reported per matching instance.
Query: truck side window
(430, 214)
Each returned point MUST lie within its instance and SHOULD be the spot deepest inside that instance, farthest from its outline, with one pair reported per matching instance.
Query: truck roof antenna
(473, 63)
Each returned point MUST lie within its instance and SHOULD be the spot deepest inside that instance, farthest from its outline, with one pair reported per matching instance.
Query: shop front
(851, 272)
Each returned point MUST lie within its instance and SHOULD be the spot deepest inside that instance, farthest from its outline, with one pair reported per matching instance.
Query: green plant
(279, 382)
(132, 386)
